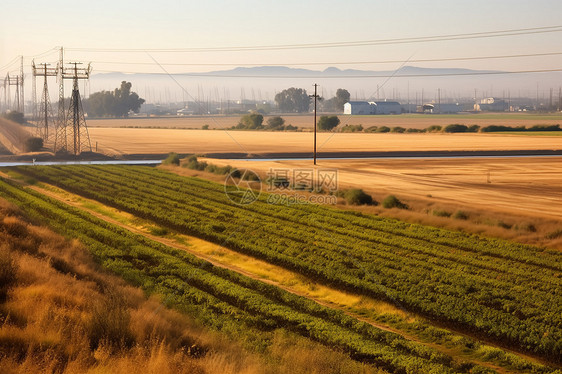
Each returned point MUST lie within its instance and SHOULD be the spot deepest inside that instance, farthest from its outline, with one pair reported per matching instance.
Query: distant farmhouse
(492, 104)
(372, 107)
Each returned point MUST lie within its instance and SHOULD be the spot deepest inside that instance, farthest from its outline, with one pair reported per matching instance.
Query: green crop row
(506, 291)
(223, 297)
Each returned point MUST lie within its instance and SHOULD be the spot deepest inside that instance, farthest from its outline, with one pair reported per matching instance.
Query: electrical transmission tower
(45, 113)
(18, 101)
(72, 133)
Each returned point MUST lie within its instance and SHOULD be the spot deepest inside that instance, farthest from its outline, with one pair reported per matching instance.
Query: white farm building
(372, 107)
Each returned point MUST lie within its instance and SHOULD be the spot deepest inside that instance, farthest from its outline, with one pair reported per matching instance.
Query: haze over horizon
(177, 37)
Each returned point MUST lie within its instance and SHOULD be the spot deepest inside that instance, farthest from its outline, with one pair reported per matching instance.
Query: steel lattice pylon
(72, 133)
(44, 116)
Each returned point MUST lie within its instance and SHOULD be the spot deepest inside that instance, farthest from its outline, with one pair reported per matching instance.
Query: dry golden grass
(60, 313)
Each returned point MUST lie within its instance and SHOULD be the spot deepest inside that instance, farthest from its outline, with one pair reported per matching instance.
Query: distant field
(532, 133)
(521, 187)
(147, 141)
(307, 121)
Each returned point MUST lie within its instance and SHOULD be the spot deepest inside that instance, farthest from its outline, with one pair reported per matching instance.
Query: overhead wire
(422, 39)
(336, 62)
(319, 75)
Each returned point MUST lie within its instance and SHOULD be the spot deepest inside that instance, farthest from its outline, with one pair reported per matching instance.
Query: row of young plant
(223, 298)
(435, 250)
(485, 286)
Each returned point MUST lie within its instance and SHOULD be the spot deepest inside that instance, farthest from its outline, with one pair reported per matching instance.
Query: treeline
(254, 121)
(489, 287)
(452, 128)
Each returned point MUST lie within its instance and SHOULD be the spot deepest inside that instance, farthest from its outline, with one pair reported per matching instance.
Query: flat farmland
(147, 141)
(307, 121)
(520, 187)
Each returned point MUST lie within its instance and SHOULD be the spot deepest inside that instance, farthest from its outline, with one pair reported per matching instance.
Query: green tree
(293, 100)
(342, 97)
(327, 123)
(114, 104)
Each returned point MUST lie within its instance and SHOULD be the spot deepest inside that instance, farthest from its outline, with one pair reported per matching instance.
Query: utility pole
(60, 131)
(22, 97)
(315, 96)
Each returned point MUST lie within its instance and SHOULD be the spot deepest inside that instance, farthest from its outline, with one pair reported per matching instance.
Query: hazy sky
(31, 27)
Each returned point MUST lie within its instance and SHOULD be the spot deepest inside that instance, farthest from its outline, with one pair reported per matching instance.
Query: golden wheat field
(146, 141)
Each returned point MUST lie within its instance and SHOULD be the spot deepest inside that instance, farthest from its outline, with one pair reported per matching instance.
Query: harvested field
(520, 187)
(146, 141)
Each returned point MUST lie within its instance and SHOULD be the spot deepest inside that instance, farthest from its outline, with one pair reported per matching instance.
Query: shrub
(455, 128)
(434, 128)
(371, 129)
(33, 144)
(441, 213)
(327, 123)
(527, 227)
(504, 225)
(554, 234)
(498, 128)
(275, 122)
(411, 130)
(172, 159)
(205, 127)
(352, 128)
(14, 117)
(251, 121)
(398, 129)
(357, 196)
(383, 129)
(473, 128)
(392, 201)
(545, 128)
(459, 214)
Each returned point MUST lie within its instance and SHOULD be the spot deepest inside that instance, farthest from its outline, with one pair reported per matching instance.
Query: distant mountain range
(263, 82)
(267, 71)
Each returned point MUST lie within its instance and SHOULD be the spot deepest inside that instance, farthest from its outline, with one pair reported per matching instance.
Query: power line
(338, 62)
(422, 39)
(15, 60)
(319, 75)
